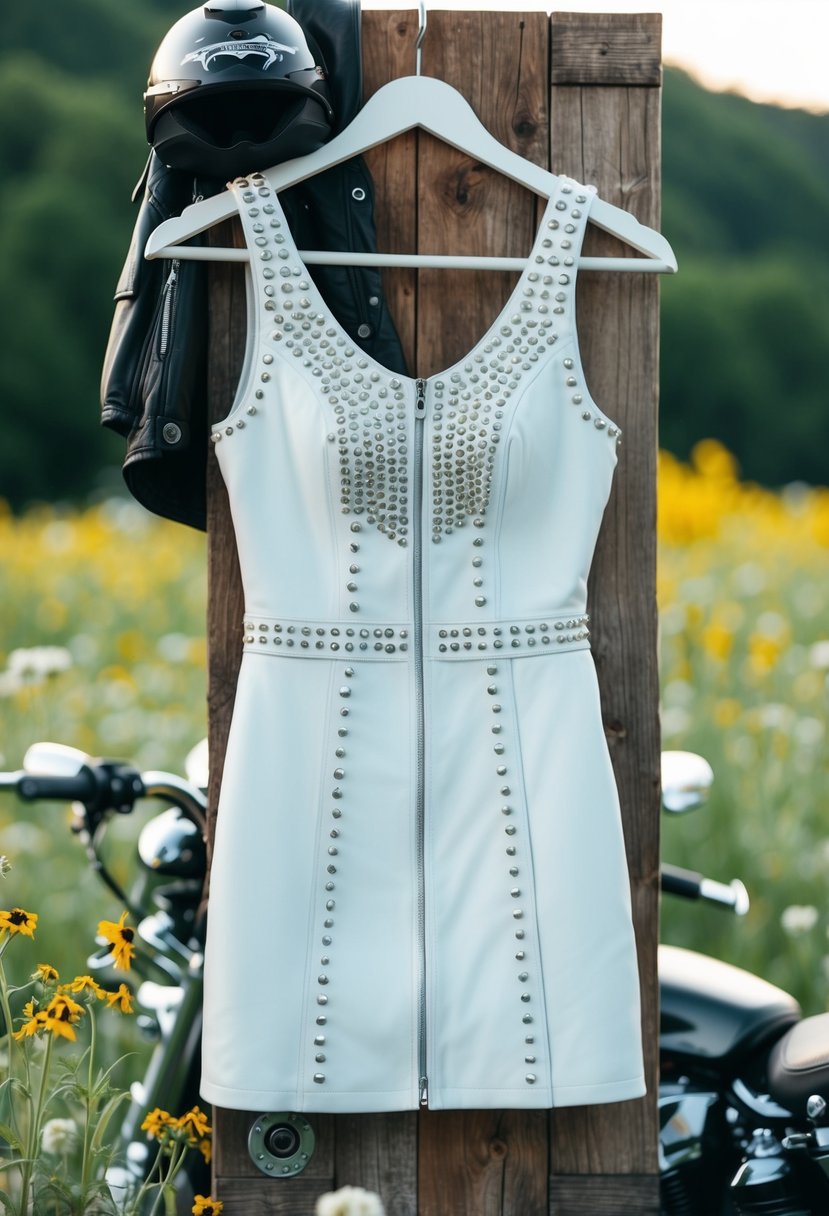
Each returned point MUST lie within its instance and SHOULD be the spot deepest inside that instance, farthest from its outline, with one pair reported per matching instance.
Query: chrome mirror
(54, 760)
(686, 781)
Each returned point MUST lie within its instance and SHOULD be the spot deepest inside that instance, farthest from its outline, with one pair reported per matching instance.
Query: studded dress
(419, 892)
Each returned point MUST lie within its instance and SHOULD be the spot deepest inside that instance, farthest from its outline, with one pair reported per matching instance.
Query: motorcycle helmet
(236, 86)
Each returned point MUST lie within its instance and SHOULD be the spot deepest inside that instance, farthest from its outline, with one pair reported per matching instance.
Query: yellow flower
(36, 1021)
(194, 1124)
(727, 711)
(205, 1147)
(763, 652)
(120, 937)
(207, 1206)
(19, 921)
(62, 1014)
(46, 973)
(717, 640)
(122, 998)
(157, 1123)
(84, 983)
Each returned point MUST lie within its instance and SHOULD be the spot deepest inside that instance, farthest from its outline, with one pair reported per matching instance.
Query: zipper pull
(424, 1091)
(420, 399)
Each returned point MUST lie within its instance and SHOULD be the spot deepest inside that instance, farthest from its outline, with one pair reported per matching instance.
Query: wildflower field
(102, 647)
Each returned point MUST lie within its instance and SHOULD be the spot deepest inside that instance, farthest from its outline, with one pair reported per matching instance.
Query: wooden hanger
(397, 107)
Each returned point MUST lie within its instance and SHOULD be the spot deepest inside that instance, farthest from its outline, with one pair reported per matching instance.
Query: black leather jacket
(153, 388)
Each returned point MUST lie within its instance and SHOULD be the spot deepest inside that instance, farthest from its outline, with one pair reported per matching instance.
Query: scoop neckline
(488, 335)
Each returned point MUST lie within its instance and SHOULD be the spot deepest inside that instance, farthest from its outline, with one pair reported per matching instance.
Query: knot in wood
(498, 1148)
(524, 126)
(461, 184)
(615, 731)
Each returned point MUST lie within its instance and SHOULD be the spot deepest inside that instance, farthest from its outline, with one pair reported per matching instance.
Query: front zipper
(417, 591)
(168, 308)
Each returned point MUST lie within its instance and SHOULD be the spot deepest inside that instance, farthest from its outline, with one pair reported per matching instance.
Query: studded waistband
(390, 641)
(523, 637)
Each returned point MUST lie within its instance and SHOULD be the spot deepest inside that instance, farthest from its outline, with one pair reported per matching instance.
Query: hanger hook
(421, 34)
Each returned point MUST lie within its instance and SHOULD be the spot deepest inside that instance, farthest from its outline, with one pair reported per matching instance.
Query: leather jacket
(153, 387)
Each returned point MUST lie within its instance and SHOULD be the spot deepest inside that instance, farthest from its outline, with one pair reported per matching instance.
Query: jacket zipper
(417, 537)
(167, 308)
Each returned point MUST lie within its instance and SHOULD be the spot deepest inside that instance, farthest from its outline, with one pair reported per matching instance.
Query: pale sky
(770, 50)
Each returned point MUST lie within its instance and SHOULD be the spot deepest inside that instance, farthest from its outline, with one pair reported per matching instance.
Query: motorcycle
(164, 901)
(744, 1077)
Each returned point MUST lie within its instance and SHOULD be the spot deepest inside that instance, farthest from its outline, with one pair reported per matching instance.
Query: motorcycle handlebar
(691, 885)
(81, 788)
(106, 785)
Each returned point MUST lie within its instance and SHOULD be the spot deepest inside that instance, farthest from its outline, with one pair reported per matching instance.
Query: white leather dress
(419, 891)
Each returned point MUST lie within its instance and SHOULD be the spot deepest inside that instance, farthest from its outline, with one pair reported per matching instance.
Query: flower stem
(87, 1127)
(135, 1206)
(4, 997)
(34, 1130)
(176, 1157)
(4, 1004)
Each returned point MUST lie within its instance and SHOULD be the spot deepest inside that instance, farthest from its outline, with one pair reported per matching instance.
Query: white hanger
(397, 107)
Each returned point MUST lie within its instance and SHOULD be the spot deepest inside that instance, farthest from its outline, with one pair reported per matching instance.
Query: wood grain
(389, 52)
(587, 49)
(623, 1195)
(498, 61)
(483, 1163)
(226, 336)
(379, 1152)
(609, 136)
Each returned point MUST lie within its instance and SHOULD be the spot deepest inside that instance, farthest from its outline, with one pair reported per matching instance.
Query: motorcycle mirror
(54, 760)
(686, 781)
(197, 766)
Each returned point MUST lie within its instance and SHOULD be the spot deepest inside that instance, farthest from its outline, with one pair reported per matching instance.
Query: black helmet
(236, 86)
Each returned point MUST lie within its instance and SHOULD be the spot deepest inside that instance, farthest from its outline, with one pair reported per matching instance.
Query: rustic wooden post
(605, 129)
(576, 94)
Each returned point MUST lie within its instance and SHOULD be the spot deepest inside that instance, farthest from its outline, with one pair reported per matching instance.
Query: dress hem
(351, 1102)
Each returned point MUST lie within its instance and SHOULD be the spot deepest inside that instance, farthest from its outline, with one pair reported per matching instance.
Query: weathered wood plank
(628, 1194)
(249, 1197)
(479, 1162)
(498, 61)
(389, 52)
(610, 137)
(226, 336)
(499, 1162)
(587, 49)
(483, 1163)
(379, 1152)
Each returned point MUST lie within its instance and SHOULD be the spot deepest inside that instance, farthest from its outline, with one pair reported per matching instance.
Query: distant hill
(745, 324)
(745, 353)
